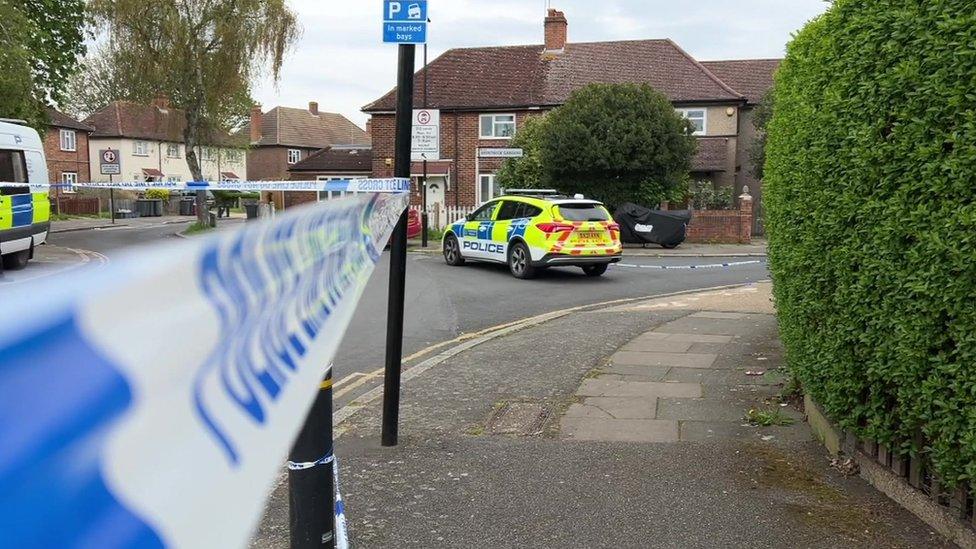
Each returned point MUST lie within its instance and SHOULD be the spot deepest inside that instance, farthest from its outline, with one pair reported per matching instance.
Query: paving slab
(700, 409)
(683, 360)
(652, 373)
(619, 430)
(710, 326)
(614, 408)
(675, 336)
(718, 315)
(658, 346)
(713, 376)
(610, 388)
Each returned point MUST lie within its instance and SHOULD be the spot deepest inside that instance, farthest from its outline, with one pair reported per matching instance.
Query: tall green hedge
(870, 195)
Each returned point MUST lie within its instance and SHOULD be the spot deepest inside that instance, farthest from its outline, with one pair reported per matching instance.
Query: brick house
(149, 139)
(485, 95)
(66, 149)
(335, 162)
(284, 136)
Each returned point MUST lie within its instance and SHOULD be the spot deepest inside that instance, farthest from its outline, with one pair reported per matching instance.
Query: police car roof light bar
(532, 192)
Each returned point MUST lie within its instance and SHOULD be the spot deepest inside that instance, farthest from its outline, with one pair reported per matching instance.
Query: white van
(24, 216)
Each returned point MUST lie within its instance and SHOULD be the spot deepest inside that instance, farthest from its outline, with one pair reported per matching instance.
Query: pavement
(687, 249)
(613, 426)
(49, 261)
(95, 223)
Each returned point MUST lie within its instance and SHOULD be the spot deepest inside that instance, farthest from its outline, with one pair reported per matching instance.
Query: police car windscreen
(583, 212)
(12, 170)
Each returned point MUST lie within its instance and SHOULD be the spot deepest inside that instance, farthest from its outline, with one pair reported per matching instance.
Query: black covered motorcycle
(640, 225)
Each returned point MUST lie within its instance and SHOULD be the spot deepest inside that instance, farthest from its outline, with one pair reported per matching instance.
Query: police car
(24, 216)
(534, 229)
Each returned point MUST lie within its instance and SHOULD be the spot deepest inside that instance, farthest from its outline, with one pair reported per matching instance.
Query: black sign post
(398, 251)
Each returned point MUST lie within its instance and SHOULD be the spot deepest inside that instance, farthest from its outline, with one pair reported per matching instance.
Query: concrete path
(502, 445)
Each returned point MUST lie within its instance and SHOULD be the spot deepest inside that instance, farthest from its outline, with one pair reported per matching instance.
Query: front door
(435, 201)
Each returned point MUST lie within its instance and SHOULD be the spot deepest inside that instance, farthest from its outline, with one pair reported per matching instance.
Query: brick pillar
(745, 216)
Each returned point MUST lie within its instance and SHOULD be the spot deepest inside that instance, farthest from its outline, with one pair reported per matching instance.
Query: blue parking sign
(405, 21)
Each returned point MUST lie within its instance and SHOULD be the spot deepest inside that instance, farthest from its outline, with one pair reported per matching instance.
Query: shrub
(870, 198)
(702, 195)
(157, 194)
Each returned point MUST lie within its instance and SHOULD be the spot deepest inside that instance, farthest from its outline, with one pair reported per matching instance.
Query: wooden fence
(75, 206)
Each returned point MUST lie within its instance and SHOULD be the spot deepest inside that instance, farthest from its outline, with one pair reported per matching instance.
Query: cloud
(342, 63)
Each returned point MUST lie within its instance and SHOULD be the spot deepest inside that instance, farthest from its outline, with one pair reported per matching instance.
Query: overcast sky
(341, 62)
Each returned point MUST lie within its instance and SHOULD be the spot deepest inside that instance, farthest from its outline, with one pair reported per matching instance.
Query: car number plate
(590, 236)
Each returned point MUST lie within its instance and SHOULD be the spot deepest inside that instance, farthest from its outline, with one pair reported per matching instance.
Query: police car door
(506, 217)
(478, 231)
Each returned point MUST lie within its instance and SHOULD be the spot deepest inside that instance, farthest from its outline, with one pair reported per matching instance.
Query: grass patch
(197, 228)
(766, 418)
(68, 217)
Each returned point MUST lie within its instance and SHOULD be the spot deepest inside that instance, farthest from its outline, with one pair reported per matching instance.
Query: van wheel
(16, 261)
(452, 251)
(520, 261)
(595, 270)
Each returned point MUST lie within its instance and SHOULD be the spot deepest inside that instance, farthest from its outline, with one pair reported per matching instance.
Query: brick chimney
(556, 30)
(161, 100)
(256, 117)
(313, 107)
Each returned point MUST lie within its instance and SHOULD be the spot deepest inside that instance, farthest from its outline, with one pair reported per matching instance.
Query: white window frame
(294, 156)
(140, 148)
(169, 150)
(233, 156)
(69, 178)
(704, 118)
(207, 154)
(69, 140)
(487, 186)
(493, 130)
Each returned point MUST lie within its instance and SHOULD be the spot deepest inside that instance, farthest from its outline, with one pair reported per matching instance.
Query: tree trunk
(191, 141)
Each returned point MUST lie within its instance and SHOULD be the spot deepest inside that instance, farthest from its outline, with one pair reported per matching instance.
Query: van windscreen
(13, 169)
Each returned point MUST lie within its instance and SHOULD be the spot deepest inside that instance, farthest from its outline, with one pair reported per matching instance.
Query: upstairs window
(173, 150)
(208, 154)
(487, 187)
(69, 140)
(697, 118)
(497, 126)
(294, 155)
(140, 148)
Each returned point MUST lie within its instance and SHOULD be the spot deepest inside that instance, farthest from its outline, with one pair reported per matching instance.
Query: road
(443, 302)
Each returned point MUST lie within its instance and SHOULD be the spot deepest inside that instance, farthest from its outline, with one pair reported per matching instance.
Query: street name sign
(109, 162)
(405, 21)
(490, 152)
(425, 142)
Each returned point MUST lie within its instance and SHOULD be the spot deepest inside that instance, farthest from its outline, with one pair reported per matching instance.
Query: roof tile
(300, 128)
(750, 77)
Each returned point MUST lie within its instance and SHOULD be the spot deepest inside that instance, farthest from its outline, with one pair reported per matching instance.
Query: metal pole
(311, 490)
(111, 198)
(398, 251)
(423, 189)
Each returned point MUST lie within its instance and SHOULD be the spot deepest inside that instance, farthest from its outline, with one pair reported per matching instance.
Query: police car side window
(484, 213)
(529, 211)
(510, 210)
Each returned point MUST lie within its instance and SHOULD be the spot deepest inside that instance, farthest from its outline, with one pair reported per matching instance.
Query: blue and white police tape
(704, 266)
(395, 185)
(341, 528)
(151, 403)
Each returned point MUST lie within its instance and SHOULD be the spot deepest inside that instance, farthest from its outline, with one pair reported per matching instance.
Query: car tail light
(550, 228)
(613, 226)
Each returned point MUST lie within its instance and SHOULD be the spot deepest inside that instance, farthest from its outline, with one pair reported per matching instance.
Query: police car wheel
(16, 261)
(595, 270)
(452, 251)
(520, 261)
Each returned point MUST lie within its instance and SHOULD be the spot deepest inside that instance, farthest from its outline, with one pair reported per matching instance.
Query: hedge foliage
(870, 195)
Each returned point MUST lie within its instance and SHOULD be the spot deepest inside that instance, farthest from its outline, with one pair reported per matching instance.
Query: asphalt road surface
(443, 302)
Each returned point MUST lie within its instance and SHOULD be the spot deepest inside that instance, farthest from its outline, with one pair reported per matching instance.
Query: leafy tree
(40, 43)
(204, 54)
(760, 119)
(525, 172)
(618, 143)
(17, 99)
